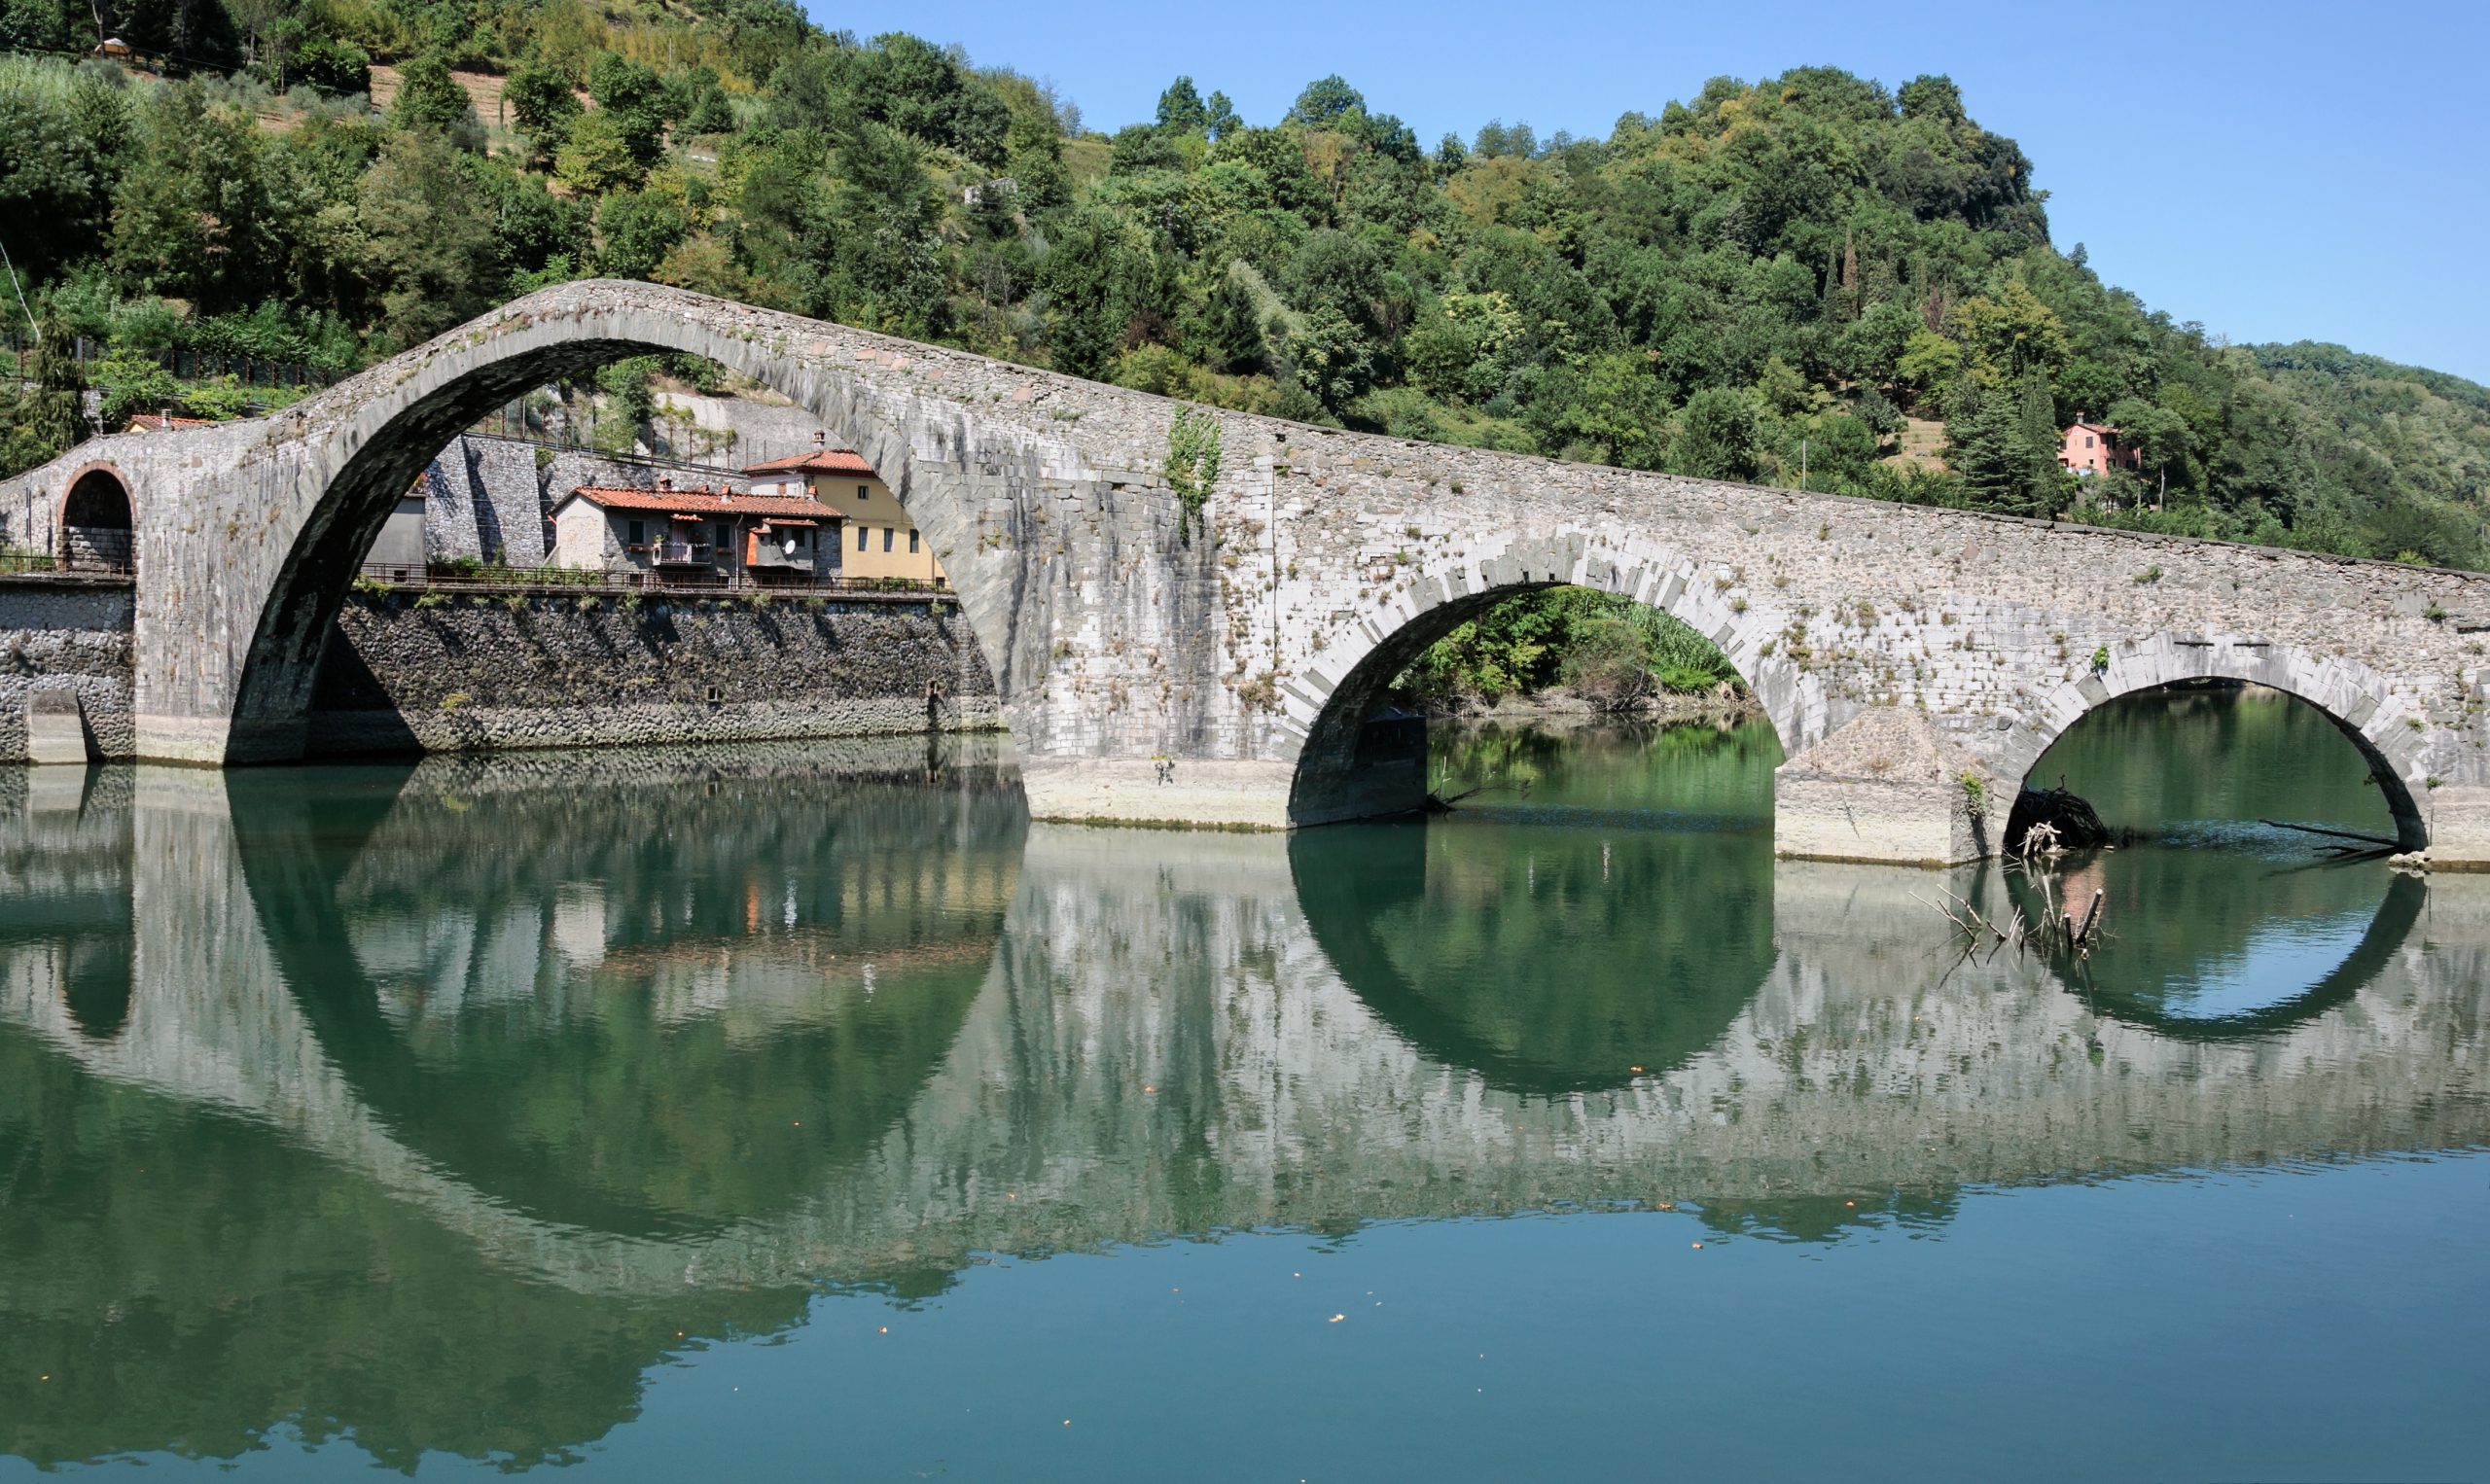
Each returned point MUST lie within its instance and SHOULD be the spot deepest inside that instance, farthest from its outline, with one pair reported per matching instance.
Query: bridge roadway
(1899, 652)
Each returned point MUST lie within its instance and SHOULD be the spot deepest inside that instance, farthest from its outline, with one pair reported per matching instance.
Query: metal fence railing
(17, 353)
(559, 581)
(44, 564)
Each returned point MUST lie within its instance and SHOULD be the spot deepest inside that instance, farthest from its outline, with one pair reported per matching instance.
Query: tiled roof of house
(162, 422)
(819, 461)
(704, 501)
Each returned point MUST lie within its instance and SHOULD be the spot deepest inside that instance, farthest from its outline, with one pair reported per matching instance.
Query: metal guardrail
(272, 372)
(86, 553)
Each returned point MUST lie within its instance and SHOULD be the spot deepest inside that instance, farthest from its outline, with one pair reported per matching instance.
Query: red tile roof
(158, 423)
(698, 503)
(819, 461)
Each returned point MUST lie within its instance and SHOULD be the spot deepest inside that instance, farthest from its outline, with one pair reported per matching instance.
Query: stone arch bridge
(1916, 662)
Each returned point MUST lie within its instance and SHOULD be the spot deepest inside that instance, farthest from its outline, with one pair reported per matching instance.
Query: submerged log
(2075, 823)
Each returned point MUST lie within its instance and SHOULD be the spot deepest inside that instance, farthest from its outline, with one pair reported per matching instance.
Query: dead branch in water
(2339, 834)
(1443, 804)
(2056, 934)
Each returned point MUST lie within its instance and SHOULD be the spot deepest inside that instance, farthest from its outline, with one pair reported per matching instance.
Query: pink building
(2091, 448)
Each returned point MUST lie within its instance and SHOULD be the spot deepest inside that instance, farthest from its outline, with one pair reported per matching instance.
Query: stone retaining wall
(66, 637)
(452, 674)
(530, 671)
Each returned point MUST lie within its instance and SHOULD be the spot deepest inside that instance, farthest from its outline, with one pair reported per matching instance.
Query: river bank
(1561, 706)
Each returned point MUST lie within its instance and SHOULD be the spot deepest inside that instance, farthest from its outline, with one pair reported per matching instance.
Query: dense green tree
(1179, 106)
(1716, 436)
(596, 155)
(434, 256)
(633, 97)
(428, 97)
(636, 230)
(541, 103)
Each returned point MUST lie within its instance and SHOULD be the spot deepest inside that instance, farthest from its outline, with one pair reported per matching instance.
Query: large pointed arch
(354, 477)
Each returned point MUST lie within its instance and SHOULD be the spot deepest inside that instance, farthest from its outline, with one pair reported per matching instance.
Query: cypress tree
(48, 419)
(2040, 438)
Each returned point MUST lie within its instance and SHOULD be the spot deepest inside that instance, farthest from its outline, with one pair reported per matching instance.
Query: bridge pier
(1180, 793)
(1887, 787)
(2458, 816)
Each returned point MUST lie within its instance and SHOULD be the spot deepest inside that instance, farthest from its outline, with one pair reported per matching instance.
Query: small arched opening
(96, 531)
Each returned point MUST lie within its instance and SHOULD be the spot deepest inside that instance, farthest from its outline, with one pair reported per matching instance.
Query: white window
(864, 491)
(859, 538)
(887, 538)
(911, 541)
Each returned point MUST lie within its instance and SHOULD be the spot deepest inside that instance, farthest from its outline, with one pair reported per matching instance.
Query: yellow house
(875, 538)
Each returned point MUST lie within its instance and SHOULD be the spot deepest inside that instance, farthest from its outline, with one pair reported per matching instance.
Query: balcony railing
(766, 557)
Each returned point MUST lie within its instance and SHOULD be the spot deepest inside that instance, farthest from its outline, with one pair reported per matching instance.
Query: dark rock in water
(2078, 826)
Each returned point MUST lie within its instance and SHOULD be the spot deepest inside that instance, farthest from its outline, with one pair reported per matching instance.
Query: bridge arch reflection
(633, 1029)
(1667, 936)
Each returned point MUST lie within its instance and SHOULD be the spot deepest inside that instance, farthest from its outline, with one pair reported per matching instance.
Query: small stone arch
(1361, 651)
(97, 530)
(2358, 700)
(353, 477)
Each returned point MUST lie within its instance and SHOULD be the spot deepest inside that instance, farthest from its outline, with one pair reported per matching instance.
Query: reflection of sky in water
(2283, 959)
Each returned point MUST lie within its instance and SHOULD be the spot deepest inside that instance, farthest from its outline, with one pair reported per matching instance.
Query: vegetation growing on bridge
(1792, 279)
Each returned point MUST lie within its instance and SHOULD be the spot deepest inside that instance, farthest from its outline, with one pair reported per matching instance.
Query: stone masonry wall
(66, 637)
(456, 674)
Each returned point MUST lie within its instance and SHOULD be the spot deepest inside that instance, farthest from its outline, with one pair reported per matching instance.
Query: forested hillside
(1769, 278)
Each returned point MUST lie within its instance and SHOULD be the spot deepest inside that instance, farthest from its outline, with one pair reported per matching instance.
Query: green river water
(807, 1112)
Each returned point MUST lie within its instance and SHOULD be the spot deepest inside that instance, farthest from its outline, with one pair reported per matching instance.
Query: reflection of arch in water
(208, 1352)
(616, 1118)
(1659, 958)
(2387, 930)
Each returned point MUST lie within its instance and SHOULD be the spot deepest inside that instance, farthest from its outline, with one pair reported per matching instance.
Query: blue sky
(2279, 171)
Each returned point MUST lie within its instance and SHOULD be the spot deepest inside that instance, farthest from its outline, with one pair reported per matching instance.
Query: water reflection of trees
(186, 1282)
(2158, 759)
(614, 1029)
